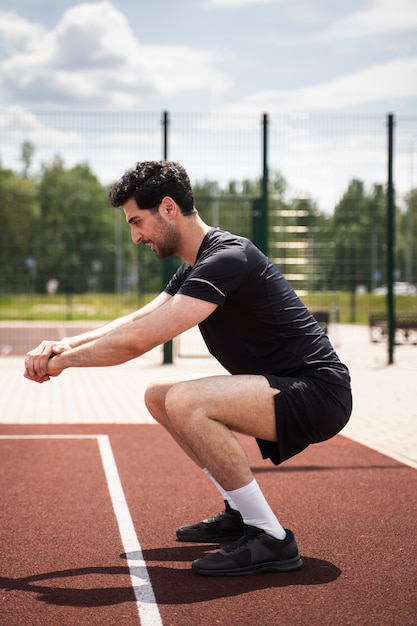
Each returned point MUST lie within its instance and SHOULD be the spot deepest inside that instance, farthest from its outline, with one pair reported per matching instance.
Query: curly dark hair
(149, 181)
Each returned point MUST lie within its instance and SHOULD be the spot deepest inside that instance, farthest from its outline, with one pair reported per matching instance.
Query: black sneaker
(254, 553)
(225, 526)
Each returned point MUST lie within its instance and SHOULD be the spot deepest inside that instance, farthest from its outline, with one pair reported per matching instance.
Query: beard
(167, 240)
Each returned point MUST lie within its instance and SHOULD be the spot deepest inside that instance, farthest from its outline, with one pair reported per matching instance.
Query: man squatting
(285, 384)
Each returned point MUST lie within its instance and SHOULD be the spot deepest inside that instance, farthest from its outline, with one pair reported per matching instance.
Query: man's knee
(155, 397)
(183, 404)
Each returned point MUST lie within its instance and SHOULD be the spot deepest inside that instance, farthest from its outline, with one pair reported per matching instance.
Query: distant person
(287, 387)
(52, 286)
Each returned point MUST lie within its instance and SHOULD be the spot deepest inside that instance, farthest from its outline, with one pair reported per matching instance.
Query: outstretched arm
(136, 336)
(37, 359)
(97, 333)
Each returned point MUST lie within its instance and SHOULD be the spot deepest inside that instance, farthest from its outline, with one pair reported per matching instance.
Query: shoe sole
(208, 539)
(274, 566)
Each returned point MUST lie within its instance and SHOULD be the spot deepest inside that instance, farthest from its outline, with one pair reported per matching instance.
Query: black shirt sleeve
(220, 268)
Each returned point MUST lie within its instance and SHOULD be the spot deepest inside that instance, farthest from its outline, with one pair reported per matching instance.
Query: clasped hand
(40, 363)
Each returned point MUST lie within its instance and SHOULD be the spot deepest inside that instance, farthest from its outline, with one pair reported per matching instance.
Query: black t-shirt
(260, 326)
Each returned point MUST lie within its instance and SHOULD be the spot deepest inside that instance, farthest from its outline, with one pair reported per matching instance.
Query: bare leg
(155, 398)
(201, 415)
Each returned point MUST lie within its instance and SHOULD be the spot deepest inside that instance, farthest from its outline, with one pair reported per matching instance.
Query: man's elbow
(142, 345)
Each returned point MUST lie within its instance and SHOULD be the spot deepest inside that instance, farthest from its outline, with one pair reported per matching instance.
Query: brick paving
(384, 414)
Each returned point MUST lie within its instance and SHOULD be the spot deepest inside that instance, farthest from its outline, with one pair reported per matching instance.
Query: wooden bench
(405, 327)
(323, 318)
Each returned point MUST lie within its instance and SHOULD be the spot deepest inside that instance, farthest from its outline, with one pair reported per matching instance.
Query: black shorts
(307, 411)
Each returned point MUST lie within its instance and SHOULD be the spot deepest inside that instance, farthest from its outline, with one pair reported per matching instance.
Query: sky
(289, 57)
(283, 56)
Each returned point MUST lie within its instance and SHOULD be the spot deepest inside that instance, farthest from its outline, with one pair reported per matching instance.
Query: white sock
(225, 494)
(255, 510)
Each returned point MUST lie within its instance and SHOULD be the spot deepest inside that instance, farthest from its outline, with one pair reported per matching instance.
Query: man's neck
(193, 232)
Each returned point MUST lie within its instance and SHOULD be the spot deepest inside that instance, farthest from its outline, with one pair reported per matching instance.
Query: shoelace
(212, 519)
(237, 545)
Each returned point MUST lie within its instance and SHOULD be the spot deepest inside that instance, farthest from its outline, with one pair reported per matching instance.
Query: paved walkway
(385, 397)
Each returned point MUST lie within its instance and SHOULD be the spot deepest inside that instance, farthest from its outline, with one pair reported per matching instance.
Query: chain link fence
(65, 254)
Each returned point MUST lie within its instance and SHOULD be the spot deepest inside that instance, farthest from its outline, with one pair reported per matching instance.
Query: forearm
(97, 333)
(102, 331)
(112, 348)
(121, 341)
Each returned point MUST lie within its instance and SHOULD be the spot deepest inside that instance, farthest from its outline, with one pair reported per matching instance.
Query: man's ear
(169, 207)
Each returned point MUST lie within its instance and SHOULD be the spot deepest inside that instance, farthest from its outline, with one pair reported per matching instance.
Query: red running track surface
(79, 512)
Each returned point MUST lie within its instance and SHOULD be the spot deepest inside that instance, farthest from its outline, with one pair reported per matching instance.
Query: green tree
(19, 213)
(407, 239)
(359, 237)
(76, 234)
(28, 150)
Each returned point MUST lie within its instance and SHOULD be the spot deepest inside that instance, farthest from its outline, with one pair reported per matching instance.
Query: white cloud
(395, 79)
(17, 33)
(92, 57)
(18, 124)
(382, 16)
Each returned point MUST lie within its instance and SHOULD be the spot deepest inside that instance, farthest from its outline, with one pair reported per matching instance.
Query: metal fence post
(260, 205)
(390, 243)
(167, 264)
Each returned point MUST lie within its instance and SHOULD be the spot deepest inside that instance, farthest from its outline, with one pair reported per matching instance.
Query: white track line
(145, 599)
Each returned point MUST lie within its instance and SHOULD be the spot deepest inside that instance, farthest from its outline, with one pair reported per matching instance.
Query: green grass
(355, 308)
(343, 307)
(85, 307)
